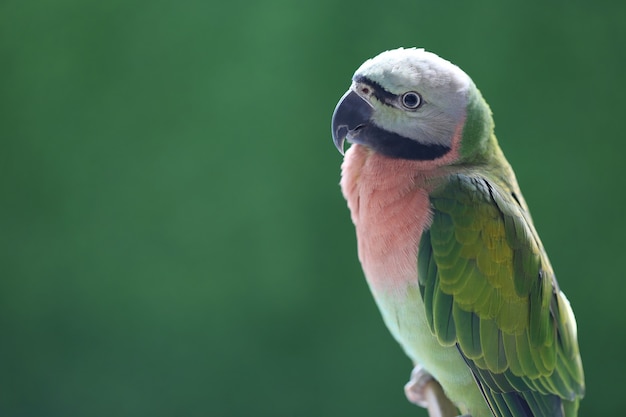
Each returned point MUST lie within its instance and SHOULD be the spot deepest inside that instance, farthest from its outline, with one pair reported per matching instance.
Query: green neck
(478, 139)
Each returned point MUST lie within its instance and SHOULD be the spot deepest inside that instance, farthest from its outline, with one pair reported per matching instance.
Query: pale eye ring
(411, 100)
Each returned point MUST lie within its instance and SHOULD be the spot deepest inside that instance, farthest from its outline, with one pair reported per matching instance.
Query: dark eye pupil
(411, 100)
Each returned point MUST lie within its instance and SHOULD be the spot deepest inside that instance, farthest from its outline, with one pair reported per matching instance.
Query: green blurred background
(174, 241)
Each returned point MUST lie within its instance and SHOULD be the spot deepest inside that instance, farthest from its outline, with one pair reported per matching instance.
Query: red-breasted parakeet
(447, 243)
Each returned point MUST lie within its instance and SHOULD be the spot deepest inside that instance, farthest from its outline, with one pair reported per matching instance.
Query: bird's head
(412, 104)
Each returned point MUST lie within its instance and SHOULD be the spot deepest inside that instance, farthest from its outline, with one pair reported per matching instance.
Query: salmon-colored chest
(390, 209)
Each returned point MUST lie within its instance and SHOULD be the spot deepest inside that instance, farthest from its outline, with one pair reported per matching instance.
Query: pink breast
(390, 209)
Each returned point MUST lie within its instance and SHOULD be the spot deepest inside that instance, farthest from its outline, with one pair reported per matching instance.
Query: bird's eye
(411, 100)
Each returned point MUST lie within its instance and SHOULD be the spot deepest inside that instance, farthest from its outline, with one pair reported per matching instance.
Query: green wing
(489, 289)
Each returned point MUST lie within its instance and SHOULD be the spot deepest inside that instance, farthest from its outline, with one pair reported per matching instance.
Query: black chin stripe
(397, 146)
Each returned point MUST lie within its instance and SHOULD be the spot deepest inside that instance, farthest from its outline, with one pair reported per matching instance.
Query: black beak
(352, 113)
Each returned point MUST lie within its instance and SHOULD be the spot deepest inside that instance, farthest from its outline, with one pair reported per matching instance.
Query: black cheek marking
(397, 146)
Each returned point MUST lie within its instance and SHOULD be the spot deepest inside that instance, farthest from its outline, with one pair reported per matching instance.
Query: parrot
(447, 244)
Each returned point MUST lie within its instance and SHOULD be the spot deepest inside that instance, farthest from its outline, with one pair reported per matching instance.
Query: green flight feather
(488, 287)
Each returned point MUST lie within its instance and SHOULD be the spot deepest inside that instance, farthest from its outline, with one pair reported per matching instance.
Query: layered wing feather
(489, 289)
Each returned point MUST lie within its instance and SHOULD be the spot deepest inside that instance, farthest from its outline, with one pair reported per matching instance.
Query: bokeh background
(173, 238)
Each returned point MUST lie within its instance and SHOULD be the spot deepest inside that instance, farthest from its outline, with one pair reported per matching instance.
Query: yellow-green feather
(488, 287)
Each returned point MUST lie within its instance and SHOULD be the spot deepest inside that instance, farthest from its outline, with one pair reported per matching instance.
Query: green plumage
(488, 287)
(490, 322)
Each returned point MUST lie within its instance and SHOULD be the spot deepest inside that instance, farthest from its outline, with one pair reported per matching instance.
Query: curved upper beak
(352, 113)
